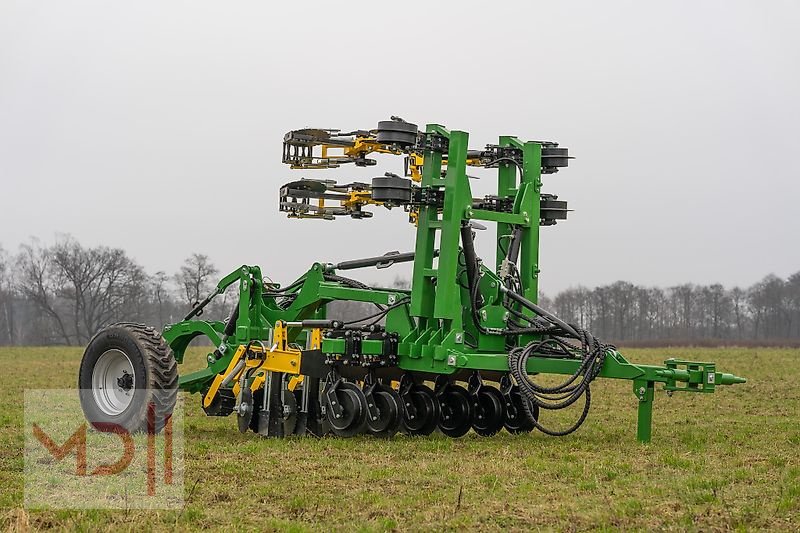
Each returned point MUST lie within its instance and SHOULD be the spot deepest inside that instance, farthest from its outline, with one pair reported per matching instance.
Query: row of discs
(417, 409)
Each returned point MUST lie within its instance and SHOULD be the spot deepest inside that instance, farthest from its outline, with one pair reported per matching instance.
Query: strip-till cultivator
(464, 348)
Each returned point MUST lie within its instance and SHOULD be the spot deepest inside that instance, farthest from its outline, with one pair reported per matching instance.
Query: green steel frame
(435, 323)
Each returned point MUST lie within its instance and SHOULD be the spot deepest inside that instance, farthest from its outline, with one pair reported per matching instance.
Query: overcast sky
(156, 126)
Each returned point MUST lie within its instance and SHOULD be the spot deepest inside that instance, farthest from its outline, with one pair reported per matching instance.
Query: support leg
(644, 391)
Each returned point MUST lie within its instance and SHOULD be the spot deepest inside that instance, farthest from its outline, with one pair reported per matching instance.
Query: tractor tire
(128, 379)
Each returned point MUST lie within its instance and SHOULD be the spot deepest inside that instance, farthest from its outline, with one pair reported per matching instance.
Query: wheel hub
(125, 382)
(113, 382)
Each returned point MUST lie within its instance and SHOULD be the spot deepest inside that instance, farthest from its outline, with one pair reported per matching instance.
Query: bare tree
(161, 296)
(36, 282)
(793, 302)
(739, 303)
(195, 277)
(6, 300)
(81, 289)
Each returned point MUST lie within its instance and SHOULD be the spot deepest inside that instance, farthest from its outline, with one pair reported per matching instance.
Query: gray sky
(156, 126)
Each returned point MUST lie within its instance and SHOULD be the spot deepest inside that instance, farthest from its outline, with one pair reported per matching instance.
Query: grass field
(717, 462)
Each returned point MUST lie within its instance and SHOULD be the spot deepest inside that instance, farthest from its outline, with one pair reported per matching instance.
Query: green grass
(717, 462)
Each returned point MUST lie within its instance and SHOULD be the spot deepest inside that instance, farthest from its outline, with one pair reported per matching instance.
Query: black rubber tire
(388, 423)
(456, 408)
(489, 413)
(428, 412)
(155, 374)
(354, 406)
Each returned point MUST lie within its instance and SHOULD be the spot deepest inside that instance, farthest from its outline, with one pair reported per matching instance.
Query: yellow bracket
(212, 391)
(357, 198)
(279, 358)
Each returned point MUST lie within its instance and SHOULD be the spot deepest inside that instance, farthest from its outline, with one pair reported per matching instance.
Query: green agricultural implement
(464, 348)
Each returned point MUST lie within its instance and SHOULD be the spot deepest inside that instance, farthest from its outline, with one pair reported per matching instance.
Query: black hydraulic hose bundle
(592, 353)
(555, 343)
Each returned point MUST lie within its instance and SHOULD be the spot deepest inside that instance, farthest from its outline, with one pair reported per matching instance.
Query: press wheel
(421, 410)
(456, 411)
(488, 417)
(348, 417)
(389, 417)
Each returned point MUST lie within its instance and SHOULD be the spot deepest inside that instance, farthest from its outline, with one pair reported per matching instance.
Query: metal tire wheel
(516, 418)
(427, 409)
(354, 411)
(128, 379)
(456, 408)
(489, 416)
(388, 403)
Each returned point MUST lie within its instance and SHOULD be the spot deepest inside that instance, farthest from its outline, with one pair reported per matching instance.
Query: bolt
(641, 390)
(391, 299)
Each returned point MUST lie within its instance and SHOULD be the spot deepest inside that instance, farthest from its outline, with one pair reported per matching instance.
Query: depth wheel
(456, 407)
(488, 418)
(421, 411)
(349, 416)
(126, 371)
(390, 417)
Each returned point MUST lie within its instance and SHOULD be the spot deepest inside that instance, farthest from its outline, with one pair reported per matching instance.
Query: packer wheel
(420, 410)
(457, 412)
(345, 408)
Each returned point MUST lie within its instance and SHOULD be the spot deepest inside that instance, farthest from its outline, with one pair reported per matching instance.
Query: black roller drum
(396, 132)
(392, 190)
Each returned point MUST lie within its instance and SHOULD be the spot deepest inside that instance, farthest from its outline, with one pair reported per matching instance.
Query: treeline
(64, 292)
(767, 312)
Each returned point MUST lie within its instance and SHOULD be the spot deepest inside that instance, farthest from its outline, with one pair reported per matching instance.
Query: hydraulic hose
(471, 260)
(592, 353)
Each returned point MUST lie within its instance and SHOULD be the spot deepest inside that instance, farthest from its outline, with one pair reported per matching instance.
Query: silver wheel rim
(113, 382)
